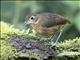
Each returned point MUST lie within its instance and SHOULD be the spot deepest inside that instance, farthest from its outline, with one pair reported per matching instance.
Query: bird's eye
(32, 17)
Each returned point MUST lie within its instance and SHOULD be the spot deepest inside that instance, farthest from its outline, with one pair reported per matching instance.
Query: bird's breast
(45, 31)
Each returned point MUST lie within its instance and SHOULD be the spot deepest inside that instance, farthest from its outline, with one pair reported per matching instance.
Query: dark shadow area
(22, 58)
(71, 33)
(49, 58)
(33, 59)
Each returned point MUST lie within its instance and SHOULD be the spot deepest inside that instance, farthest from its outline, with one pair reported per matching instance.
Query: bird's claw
(53, 46)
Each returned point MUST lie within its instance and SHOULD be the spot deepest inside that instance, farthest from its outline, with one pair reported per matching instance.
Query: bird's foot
(53, 46)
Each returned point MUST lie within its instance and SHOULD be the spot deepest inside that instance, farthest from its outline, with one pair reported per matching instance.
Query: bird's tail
(68, 21)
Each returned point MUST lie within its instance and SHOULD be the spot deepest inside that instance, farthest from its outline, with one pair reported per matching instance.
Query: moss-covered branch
(67, 50)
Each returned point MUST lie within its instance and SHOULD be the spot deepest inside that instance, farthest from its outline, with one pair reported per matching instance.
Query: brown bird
(47, 24)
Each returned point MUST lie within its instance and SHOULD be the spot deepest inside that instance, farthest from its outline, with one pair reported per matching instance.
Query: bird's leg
(54, 44)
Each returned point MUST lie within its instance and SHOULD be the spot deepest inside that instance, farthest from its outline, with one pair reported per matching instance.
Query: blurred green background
(14, 12)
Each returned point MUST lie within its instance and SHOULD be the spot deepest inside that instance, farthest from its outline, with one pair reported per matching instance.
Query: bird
(47, 24)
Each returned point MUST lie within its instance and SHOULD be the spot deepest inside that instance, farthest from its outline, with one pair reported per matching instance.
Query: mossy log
(19, 45)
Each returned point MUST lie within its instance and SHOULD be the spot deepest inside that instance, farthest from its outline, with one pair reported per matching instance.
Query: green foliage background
(14, 12)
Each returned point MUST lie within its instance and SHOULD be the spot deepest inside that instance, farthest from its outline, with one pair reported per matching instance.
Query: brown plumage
(47, 24)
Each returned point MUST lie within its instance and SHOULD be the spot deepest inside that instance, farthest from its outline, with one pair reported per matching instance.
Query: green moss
(69, 49)
(70, 45)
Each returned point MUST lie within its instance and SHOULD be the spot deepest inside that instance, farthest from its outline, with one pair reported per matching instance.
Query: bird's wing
(52, 20)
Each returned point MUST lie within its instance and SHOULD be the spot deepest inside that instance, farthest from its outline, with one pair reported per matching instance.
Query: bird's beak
(28, 22)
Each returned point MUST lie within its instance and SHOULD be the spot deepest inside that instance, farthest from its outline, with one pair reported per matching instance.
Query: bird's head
(31, 20)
